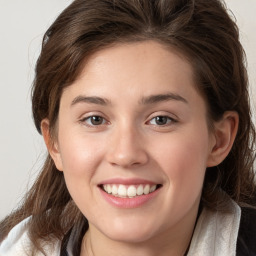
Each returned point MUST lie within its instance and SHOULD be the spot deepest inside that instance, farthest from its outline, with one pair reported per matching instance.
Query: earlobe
(225, 132)
(51, 144)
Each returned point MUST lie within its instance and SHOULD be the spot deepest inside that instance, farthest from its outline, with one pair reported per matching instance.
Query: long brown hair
(201, 30)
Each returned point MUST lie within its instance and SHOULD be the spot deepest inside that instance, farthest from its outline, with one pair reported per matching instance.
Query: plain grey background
(22, 25)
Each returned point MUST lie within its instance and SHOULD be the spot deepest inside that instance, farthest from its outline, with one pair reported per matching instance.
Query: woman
(144, 108)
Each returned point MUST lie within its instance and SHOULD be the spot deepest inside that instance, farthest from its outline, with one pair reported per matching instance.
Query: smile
(129, 191)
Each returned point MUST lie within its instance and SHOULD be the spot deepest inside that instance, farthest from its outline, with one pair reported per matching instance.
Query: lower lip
(128, 202)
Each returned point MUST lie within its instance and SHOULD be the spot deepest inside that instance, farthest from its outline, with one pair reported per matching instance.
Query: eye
(161, 120)
(94, 120)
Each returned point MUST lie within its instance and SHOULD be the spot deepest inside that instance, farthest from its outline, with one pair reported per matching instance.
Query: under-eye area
(129, 191)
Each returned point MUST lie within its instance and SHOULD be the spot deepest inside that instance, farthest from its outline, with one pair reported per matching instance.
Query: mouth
(129, 191)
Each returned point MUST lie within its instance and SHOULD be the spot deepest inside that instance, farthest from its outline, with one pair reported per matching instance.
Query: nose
(126, 148)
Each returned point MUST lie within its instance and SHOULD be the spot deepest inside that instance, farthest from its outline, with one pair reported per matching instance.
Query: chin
(128, 237)
(129, 233)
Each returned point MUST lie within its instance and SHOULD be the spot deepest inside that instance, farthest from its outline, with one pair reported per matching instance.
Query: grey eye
(95, 120)
(160, 120)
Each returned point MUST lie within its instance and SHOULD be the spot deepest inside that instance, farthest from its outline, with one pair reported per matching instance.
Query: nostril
(127, 153)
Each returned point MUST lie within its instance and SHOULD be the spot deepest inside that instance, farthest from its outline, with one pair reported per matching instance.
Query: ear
(51, 144)
(225, 132)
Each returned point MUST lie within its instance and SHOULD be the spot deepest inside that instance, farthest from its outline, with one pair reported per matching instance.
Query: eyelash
(167, 119)
(89, 118)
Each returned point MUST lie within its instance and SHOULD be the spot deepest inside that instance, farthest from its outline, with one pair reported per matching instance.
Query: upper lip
(127, 181)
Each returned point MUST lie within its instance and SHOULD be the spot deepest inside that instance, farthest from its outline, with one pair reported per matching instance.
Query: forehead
(137, 69)
(152, 54)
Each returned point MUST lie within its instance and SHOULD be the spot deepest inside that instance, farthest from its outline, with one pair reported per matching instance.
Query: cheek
(183, 157)
(80, 155)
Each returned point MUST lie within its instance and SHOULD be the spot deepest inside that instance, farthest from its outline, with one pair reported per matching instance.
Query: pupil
(161, 120)
(96, 120)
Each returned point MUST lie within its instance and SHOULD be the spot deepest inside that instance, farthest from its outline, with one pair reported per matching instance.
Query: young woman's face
(133, 142)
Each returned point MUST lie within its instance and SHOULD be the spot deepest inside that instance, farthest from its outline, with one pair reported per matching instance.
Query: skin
(129, 143)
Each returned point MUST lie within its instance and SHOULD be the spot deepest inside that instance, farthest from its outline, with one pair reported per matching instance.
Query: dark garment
(64, 244)
(76, 235)
(246, 242)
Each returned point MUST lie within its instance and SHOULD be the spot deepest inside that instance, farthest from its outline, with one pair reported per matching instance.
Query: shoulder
(18, 243)
(246, 243)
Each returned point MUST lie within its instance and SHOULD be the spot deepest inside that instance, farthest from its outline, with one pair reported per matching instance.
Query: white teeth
(114, 190)
(146, 189)
(122, 191)
(140, 190)
(152, 189)
(129, 191)
(109, 189)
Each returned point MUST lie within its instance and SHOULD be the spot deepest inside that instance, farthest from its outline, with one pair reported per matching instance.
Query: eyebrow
(91, 99)
(152, 99)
